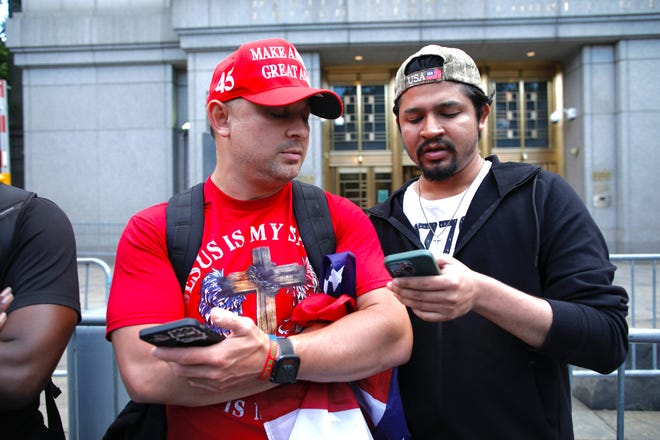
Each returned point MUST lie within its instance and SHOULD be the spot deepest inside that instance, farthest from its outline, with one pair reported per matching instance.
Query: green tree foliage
(4, 60)
(4, 52)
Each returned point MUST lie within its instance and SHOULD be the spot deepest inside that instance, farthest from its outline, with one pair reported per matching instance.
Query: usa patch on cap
(434, 74)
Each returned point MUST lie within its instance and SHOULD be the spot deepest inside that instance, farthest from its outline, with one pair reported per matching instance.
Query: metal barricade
(637, 273)
(87, 281)
(635, 336)
(96, 393)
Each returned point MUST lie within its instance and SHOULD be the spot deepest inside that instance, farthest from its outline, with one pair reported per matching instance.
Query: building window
(363, 125)
(521, 114)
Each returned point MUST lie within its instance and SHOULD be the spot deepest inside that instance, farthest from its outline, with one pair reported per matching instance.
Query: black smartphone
(419, 262)
(187, 332)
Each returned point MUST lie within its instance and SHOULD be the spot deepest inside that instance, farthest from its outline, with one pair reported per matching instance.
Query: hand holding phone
(419, 262)
(187, 332)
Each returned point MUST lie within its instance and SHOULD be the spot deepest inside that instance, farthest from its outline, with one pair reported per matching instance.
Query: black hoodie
(470, 379)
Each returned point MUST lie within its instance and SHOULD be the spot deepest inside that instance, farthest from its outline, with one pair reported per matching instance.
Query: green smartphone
(419, 262)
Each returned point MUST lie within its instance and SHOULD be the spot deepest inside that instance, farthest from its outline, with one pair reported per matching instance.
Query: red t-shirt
(259, 235)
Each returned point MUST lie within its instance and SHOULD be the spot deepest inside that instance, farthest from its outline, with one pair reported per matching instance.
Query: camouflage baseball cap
(457, 66)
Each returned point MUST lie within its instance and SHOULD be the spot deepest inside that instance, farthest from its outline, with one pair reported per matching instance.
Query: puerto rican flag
(334, 410)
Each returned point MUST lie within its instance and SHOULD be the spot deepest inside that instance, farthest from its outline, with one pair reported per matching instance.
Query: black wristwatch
(285, 369)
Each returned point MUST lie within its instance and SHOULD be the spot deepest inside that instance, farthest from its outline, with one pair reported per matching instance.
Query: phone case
(419, 262)
(187, 332)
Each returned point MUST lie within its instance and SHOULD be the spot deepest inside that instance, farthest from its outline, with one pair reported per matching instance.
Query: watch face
(286, 369)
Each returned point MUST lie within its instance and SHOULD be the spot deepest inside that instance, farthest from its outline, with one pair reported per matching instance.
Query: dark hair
(475, 94)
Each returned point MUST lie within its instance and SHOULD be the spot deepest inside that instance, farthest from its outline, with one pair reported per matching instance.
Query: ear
(218, 115)
(484, 115)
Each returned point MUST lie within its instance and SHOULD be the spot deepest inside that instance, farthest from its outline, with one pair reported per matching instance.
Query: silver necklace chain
(438, 232)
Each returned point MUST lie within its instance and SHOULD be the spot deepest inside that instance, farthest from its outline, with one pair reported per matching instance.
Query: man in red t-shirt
(258, 108)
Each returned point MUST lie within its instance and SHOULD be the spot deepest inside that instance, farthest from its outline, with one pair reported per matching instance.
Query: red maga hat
(271, 73)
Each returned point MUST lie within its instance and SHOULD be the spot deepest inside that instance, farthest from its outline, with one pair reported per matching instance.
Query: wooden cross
(266, 279)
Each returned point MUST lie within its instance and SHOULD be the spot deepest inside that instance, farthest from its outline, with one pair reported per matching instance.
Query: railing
(87, 264)
(635, 336)
(643, 292)
(87, 285)
(643, 311)
(637, 273)
(95, 391)
(634, 261)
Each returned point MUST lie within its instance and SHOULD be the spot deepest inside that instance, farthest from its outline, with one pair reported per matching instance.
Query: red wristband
(270, 358)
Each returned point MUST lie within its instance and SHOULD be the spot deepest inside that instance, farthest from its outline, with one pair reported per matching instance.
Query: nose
(299, 127)
(432, 128)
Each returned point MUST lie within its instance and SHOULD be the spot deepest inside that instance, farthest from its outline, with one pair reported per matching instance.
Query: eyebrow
(440, 106)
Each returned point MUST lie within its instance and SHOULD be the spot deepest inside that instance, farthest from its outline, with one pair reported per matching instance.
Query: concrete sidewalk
(601, 425)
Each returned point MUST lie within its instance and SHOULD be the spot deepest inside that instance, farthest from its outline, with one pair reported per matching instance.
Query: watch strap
(285, 368)
(286, 347)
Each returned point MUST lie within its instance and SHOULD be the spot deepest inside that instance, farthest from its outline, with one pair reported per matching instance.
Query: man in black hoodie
(526, 284)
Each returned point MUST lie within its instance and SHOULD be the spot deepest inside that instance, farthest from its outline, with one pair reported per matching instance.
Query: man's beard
(437, 172)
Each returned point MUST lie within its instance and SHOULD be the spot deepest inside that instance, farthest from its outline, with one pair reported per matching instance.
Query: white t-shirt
(438, 222)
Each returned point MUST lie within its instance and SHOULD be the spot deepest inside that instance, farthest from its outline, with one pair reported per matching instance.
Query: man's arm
(194, 376)
(375, 337)
(460, 290)
(31, 344)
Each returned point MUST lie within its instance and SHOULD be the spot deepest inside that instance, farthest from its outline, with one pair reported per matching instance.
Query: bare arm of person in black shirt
(32, 340)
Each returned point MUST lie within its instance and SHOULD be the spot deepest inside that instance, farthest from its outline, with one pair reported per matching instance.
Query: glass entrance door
(520, 123)
(364, 186)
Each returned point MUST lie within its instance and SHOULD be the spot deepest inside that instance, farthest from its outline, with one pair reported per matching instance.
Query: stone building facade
(113, 96)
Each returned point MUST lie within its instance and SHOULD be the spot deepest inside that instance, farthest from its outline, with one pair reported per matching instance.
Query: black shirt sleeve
(42, 267)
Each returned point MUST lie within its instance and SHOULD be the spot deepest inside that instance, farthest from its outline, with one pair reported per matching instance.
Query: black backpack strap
(12, 200)
(54, 421)
(185, 225)
(139, 421)
(310, 207)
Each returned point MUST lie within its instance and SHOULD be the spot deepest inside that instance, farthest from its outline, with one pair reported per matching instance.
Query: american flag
(435, 73)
